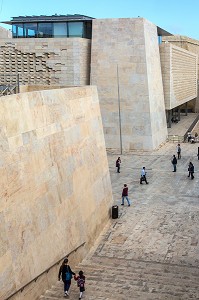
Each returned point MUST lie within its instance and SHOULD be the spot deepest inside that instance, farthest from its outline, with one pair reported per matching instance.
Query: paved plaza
(151, 251)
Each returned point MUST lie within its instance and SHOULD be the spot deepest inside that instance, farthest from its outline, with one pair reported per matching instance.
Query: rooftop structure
(51, 26)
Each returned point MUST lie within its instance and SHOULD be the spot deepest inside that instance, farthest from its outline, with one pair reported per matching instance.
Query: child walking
(80, 283)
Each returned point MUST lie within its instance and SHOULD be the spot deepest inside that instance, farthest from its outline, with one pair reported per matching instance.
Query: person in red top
(80, 283)
(125, 195)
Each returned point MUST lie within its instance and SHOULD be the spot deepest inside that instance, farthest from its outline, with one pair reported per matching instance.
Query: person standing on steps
(118, 162)
(191, 170)
(174, 163)
(66, 273)
(80, 283)
(179, 151)
(143, 176)
(125, 195)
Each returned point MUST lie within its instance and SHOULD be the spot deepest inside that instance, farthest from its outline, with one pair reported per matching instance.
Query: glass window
(17, 30)
(14, 31)
(75, 29)
(20, 32)
(30, 30)
(60, 30)
(159, 39)
(45, 30)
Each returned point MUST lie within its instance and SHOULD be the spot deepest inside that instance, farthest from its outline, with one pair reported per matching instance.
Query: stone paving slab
(152, 250)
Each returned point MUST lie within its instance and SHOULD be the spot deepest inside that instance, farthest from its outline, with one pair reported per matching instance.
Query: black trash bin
(115, 212)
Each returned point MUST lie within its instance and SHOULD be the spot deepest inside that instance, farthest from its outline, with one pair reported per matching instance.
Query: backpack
(80, 282)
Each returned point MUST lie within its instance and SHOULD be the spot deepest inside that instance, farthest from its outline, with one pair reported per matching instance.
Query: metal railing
(46, 271)
(175, 138)
(191, 127)
(182, 138)
(9, 84)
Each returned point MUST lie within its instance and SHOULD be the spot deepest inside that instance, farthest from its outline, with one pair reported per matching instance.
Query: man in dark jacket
(191, 170)
(118, 162)
(125, 195)
(174, 162)
(66, 273)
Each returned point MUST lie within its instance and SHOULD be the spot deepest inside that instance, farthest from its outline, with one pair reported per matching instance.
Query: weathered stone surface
(55, 185)
(61, 61)
(125, 65)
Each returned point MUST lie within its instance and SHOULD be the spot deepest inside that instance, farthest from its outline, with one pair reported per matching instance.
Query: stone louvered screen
(45, 61)
(179, 74)
(184, 74)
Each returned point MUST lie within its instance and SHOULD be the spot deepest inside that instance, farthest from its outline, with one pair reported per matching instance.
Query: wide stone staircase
(115, 278)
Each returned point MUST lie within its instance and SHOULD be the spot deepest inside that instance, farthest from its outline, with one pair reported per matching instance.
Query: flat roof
(43, 18)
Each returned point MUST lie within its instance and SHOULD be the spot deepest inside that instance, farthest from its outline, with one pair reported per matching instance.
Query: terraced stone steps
(140, 280)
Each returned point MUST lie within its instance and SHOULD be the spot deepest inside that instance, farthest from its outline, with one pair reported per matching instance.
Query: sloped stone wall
(55, 190)
(125, 66)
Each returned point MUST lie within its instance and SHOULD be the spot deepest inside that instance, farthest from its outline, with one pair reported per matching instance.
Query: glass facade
(159, 39)
(30, 30)
(75, 29)
(60, 30)
(52, 29)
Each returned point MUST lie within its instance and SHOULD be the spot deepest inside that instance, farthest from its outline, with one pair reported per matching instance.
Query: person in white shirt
(143, 176)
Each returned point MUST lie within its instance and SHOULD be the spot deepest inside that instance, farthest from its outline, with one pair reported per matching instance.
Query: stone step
(142, 280)
(160, 276)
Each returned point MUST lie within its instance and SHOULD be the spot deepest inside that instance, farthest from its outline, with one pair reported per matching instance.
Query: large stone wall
(5, 33)
(179, 72)
(125, 58)
(55, 185)
(60, 61)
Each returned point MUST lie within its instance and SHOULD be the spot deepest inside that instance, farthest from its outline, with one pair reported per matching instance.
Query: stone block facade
(60, 61)
(55, 185)
(125, 66)
(179, 72)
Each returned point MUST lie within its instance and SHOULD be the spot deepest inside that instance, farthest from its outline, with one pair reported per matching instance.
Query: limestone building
(140, 80)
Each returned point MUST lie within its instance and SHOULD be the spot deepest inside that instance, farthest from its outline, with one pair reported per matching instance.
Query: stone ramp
(113, 278)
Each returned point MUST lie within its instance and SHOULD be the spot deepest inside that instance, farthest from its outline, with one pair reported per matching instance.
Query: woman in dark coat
(66, 273)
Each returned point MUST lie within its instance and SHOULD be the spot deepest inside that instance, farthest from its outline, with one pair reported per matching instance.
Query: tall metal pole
(18, 83)
(118, 91)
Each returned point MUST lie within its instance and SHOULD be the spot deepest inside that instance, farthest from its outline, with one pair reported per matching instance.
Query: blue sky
(175, 16)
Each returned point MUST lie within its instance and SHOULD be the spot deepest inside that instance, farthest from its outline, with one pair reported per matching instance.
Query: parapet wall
(55, 185)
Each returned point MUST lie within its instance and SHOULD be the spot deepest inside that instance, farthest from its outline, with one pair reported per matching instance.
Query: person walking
(143, 176)
(125, 195)
(66, 273)
(118, 162)
(174, 162)
(179, 151)
(191, 170)
(80, 283)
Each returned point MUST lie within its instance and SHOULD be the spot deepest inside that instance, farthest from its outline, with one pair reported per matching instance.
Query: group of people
(125, 188)
(192, 139)
(67, 274)
(174, 162)
(143, 173)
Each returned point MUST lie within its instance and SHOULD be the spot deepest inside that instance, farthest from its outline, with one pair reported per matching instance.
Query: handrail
(191, 127)
(46, 271)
